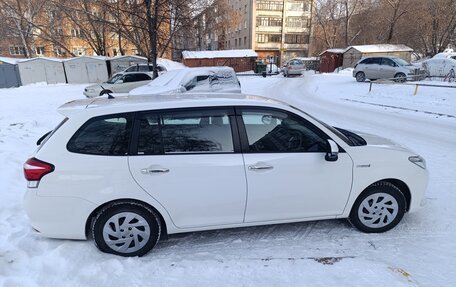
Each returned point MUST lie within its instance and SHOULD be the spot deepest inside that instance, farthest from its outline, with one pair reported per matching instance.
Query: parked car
(128, 170)
(293, 67)
(145, 68)
(439, 67)
(386, 67)
(119, 83)
(272, 69)
(204, 79)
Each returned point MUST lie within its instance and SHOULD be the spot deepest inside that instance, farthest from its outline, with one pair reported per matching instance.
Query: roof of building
(219, 54)
(334, 50)
(381, 48)
(12, 61)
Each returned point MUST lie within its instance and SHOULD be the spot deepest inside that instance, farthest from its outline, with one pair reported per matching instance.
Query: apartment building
(278, 28)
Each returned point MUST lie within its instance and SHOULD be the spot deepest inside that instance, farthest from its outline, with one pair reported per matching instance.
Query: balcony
(270, 29)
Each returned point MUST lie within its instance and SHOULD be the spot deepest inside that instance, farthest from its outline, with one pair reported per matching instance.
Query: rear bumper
(58, 217)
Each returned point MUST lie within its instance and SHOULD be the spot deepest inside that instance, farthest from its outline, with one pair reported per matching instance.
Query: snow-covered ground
(420, 251)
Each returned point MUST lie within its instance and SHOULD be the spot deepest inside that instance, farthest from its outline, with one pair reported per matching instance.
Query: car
(272, 69)
(119, 83)
(201, 79)
(145, 68)
(129, 170)
(386, 67)
(440, 67)
(293, 67)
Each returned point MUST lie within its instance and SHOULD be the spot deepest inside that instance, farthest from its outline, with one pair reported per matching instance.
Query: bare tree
(19, 17)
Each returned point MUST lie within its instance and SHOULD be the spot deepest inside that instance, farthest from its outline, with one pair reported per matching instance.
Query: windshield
(114, 78)
(402, 62)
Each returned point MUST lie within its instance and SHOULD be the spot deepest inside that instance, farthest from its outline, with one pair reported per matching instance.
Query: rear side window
(199, 131)
(205, 131)
(106, 135)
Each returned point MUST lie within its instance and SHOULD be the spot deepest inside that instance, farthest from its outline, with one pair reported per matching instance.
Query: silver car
(119, 83)
(293, 67)
(386, 67)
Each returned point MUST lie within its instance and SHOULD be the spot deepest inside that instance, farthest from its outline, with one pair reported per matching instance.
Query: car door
(373, 68)
(131, 81)
(189, 161)
(287, 174)
(388, 68)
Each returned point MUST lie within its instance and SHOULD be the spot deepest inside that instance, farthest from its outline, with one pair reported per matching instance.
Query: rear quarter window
(105, 135)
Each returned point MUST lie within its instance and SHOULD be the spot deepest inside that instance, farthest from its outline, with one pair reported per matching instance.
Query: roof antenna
(107, 92)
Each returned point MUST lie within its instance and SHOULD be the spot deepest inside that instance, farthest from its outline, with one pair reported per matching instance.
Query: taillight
(35, 169)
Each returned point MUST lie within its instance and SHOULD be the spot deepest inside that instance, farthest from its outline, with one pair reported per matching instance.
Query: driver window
(274, 131)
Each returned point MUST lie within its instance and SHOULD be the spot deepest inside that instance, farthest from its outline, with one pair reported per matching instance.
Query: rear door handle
(154, 170)
(260, 167)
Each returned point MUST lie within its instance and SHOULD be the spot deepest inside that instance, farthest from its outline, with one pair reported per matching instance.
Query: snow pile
(420, 251)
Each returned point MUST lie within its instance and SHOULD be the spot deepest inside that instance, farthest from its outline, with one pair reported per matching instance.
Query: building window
(298, 6)
(17, 50)
(245, 41)
(76, 33)
(39, 51)
(235, 42)
(58, 51)
(269, 38)
(298, 22)
(78, 51)
(296, 39)
(269, 21)
(269, 5)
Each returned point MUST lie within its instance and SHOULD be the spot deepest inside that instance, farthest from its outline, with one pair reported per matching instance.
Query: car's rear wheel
(360, 77)
(400, 77)
(126, 229)
(379, 208)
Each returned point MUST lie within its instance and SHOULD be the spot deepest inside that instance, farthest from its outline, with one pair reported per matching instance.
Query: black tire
(104, 92)
(382, 189)
(131, 208)
(360, 77)
(400, 77)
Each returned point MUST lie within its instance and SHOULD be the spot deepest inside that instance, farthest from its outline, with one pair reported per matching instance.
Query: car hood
(380, 142)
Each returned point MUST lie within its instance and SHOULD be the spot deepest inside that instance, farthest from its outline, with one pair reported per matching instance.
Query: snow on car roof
(381, 48)
(219, 54)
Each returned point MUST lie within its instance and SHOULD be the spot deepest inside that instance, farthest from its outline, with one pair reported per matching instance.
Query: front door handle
(260, 167)
(154, 170)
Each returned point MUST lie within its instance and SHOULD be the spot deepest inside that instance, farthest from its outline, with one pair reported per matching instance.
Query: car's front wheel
(360, 77)
(400, 77)
(126, 229)
(379, 208)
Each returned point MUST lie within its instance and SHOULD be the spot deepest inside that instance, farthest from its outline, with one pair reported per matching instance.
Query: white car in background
(203, 79)
(119, 83)
(128, 170)
(439, 67)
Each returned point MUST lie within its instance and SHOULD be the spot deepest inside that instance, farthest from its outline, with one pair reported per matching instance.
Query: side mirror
(333, 153)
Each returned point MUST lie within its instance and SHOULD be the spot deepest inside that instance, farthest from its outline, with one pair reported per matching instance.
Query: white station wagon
(130, 169)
